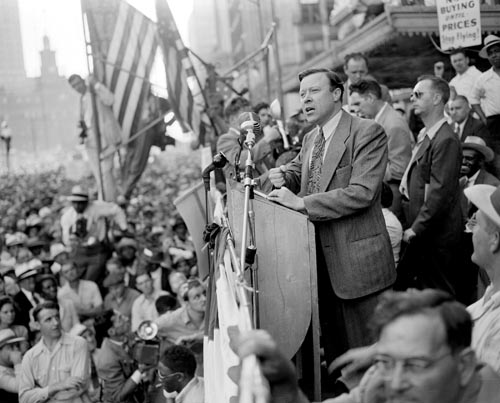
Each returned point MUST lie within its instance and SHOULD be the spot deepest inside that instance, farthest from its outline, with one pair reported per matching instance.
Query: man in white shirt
(463, 82)
(84, 227)
(486, 92)
(176, 372)
(144, 307)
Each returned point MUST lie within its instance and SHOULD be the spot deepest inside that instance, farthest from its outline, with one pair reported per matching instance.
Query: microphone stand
(247, 254)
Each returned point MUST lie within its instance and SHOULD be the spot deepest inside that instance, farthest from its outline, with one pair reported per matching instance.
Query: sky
(61, 21)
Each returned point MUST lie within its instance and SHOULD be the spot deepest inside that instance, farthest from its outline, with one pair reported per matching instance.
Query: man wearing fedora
(485, 97)
(25, 299)
(485, 227)
(472, 280)
(10, 366)
(126, 249)
(85, 227)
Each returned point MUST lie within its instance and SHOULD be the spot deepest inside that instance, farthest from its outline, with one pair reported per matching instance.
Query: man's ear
(494, 242)
(35, 325)
(466, 365)
(337, 94)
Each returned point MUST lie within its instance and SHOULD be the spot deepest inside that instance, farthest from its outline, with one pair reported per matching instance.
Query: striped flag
(237, 38)
(124, 45)
(184, 93)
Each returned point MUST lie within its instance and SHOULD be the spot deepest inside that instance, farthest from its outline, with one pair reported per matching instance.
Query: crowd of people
(101, 301)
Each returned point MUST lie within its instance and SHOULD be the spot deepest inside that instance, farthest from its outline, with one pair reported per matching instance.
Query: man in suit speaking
(336, 180)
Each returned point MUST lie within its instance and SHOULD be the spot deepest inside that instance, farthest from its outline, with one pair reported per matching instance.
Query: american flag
(184, 93)
(124, 44)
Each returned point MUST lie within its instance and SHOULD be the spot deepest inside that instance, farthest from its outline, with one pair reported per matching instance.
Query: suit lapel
(335, 150)
(465, 130)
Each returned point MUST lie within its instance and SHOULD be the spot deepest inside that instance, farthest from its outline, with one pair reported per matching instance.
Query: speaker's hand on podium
(285, 197)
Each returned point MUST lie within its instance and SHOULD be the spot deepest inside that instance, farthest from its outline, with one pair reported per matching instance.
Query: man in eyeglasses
(176, 372)
(431, 190)
(423, 355)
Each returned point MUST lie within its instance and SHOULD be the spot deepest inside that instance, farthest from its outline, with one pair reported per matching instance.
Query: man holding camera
(84, 226)
(120, 375)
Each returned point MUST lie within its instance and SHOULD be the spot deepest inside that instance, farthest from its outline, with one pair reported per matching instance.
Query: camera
(146, 348)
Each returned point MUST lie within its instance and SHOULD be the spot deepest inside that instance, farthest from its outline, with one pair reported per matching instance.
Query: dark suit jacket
(23, 307)
(433, 187)
(474, 127)
(484, 178)
(346, 211)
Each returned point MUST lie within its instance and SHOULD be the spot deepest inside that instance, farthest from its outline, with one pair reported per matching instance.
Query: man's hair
(261, 105)
(461, 98)
(457, 51)
(454, 316)
(236, 106)
(439, 85)
(74, 77)
(335, 80)
(191, 283)
(165, 303)
(179, 359)
(363, 87)
(355, 56)
(44, 305)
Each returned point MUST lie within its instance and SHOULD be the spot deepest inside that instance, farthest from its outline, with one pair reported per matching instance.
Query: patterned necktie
(316, 163)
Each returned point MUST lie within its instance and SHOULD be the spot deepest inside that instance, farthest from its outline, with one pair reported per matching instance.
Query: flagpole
(186, 50)
(94, 108)
(278, 65)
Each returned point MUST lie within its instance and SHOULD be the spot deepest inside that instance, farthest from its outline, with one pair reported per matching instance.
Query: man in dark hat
(85, 225)
(119, 298)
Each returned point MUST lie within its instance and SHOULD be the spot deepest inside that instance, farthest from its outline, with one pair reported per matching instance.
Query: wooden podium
(286, 266)
(287, 276)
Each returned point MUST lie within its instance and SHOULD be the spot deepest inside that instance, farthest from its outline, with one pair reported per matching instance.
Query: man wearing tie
(336, 180)
(431, 184)
(464, 124)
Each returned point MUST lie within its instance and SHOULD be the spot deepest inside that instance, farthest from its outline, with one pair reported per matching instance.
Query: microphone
(250, 127)
(218, 161)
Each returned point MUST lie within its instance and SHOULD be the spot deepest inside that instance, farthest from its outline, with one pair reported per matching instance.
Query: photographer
(84, 224)
(120, 375)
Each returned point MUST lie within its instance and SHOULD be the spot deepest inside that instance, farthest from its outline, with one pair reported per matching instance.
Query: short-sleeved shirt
(87, 296)
(175, 324)
(486, 333)
(144, 308)
(464, 83)
(486, 92)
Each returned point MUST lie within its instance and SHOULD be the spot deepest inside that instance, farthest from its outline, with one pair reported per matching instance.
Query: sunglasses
(417, 94)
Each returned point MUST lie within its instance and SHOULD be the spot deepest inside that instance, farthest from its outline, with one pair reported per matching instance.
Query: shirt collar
(472, 179)
(330, 126)
(431, 132)
(190, 385)
(380, 112)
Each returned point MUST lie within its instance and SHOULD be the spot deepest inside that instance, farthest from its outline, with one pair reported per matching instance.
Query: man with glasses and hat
(485, 228)
(473, 280)
(10, 365)
(485, 97)
(85, 225)
(430, 186)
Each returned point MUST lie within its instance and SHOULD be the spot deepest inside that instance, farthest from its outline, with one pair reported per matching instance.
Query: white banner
(459, 23)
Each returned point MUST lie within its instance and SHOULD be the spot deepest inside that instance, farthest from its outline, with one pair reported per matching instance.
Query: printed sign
(459, 23)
